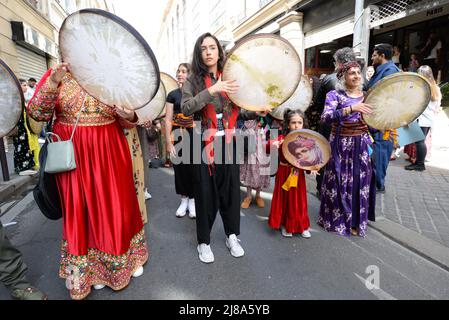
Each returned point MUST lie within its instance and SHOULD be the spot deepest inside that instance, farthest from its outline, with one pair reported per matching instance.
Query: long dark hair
(288, 115)
(185, 65)
(199, 68)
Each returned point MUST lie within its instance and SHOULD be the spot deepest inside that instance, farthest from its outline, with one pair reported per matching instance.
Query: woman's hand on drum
(58, 73)
(362, 108)
(264, 111)
(125, 113)
(229, 86)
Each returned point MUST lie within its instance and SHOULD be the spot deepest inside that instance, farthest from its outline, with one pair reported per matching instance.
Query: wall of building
(19, 11)
(44, 17)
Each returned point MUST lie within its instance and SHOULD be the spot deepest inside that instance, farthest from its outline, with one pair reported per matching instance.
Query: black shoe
(415, 167)
(381, 190)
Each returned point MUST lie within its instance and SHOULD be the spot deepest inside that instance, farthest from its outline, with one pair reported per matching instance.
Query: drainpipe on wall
(361, 32)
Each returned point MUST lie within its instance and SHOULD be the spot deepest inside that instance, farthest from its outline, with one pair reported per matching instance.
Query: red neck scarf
(230, 114)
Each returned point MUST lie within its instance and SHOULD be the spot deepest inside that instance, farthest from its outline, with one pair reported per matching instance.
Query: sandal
(260, 203)
(246, 202)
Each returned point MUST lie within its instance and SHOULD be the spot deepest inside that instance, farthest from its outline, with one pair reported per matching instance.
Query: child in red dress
(289, 204)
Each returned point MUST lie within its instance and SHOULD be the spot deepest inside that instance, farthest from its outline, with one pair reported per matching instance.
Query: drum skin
(11, 100)
(170, 84)
(109, 59)
(152, 110)
(397, 100)
(306, 149)
(300, 100)
(266, 67)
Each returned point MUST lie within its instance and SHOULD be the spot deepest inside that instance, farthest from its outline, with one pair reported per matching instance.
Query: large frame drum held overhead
(11, 100)
(306, 149)
(170, 84)
(300, 100)
(109, 59)
(397, 100)
(266, 67)
(153, 110)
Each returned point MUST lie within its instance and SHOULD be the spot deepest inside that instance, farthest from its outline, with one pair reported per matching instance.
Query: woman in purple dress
(348, 190)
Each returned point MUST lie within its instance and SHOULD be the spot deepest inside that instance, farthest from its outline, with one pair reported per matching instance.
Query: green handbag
(61, 154)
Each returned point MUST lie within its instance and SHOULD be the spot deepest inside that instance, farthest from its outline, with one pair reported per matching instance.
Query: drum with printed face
(11, 100)
(109, 59)
(397, 100)
(170, 84)
(300, 100)
(306, 149)
(266, 67)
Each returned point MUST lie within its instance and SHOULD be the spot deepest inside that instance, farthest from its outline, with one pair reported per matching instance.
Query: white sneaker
(99, 286)
(306, 234)
(181, 212)
(205, 253)
(232, 242)
(138, 272)
(28, 173)
(147, 194)
(192, 211)
(285, 233)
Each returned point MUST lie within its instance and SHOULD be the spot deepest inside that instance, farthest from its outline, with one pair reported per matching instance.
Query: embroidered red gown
(103, 235)
(289, 208)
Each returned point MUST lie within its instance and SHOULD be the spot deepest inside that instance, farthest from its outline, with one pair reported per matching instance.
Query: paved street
(324, 267)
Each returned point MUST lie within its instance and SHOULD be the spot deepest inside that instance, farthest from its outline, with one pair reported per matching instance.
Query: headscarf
(345, 67)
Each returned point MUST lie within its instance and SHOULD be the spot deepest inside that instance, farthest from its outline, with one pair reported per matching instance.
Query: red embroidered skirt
(103, 237)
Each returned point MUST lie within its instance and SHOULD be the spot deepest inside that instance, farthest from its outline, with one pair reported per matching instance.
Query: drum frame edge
(19, 87)
(130, 29)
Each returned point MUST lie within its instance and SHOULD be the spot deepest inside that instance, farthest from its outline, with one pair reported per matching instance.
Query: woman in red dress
(103, 236)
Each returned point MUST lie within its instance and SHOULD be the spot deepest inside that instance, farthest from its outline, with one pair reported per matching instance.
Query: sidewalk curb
(425, 247)
(8, 188)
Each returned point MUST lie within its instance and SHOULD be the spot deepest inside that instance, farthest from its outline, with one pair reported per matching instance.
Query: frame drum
(170, 84)
(300, 100)
(397, 100)
(109, 59)
(266, 67)
(306, 149)
(11, 100)
(152, 110)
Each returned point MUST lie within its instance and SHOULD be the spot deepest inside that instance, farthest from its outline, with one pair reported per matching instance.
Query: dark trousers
(12, 268)
(382, 155)
(421, 149)
(217, 188)
(183, 171)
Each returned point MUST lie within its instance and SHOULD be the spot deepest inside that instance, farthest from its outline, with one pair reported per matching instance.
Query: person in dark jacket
(383, 141)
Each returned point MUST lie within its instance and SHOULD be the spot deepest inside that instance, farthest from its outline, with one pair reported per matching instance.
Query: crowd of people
(104, 208)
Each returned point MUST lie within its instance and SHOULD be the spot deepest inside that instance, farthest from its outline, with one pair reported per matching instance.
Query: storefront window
(412, 40)
(320, 59)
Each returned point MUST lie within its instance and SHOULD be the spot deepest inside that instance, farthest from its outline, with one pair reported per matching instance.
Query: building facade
(29, 32)
(185, 20)
(317, 28)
